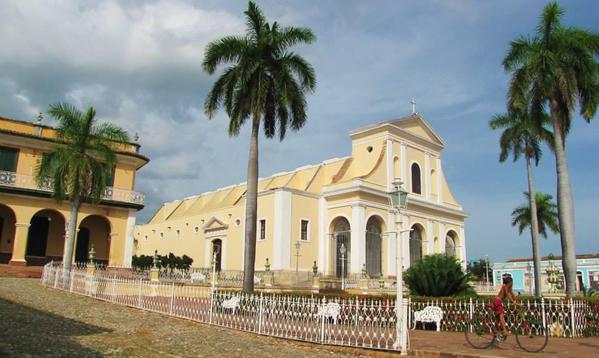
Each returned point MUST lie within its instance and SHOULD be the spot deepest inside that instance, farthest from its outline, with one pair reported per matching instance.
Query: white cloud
(108, 33)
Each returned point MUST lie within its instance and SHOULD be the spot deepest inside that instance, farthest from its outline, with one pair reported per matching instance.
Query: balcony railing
(24, 181)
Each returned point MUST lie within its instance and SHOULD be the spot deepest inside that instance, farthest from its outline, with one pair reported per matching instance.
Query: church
(307, 215)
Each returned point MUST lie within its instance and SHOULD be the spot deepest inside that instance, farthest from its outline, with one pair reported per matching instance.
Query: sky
(139, 64)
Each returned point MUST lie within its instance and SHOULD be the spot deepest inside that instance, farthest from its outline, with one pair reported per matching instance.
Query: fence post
(321, 313)
(139, 295)
(260, 313)
(170, 308)
(114, 287)
(572, 318)
(470, 314)
(71, 283)
(543, 314)
(211, 305)
(56, 279)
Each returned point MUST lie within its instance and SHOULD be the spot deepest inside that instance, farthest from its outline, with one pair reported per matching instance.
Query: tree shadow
(27, 331)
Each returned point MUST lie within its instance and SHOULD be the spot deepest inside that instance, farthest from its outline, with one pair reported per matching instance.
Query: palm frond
(229, 49)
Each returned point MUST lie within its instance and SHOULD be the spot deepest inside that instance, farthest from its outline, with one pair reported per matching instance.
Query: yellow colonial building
(33, 225)
(305, 215)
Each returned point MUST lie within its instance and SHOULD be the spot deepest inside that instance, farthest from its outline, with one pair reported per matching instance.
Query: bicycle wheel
(480, 331)
(531, 339)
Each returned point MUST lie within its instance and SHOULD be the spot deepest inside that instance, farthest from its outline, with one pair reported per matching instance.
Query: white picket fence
(365, 323)
(357, 322)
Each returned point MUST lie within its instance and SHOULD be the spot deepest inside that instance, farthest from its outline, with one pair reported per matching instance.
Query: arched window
(341, 237)
(450, 240)
(416, 185)
(374, 239)
(415, 244)
(217, 248)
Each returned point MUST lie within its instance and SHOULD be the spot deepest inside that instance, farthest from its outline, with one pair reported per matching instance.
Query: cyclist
(497, 305)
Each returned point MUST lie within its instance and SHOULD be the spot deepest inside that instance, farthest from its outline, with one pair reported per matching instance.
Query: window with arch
(416, 182)
(374, 238)
(416, 243)
(450, 244)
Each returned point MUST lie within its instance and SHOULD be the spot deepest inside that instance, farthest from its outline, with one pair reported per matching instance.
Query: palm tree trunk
(565, 204)
(67, 257)
(534, 230)
(251, 211)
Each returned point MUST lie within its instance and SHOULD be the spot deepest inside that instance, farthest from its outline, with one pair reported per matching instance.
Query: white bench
(232, 303)
(429, 314)
(329, 310)
(198, 276)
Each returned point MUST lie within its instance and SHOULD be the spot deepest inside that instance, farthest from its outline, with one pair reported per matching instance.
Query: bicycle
(528, 327)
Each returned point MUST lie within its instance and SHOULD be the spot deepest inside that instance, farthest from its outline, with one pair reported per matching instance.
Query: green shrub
(437, 276)
(165, 262)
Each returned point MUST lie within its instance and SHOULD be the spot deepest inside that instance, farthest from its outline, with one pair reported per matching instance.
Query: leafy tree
(522, 135)
(266, 84)
(437, 275)
(547, 217)
(557, 68)
(78, 169)
(477, 269)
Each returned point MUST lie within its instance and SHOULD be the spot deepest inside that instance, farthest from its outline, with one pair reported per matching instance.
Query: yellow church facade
(306, 215)
(33, 224)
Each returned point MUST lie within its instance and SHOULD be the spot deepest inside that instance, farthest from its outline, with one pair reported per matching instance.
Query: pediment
(215, 224)
(418, 126)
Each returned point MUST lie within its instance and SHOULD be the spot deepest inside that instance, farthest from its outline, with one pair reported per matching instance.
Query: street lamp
(342, 251)
(398, 200)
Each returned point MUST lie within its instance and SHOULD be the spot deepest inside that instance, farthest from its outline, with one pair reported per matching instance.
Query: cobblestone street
(39, 321)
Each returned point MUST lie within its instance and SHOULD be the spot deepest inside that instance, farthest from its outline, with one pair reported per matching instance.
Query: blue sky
(139, 64)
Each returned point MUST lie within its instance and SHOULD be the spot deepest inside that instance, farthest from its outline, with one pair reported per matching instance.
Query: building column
(322, 236)
(389, 155)
(427, 176)
(441, 238)
(439, 184)
(282, 231)
(462, 250)
(19, 248)
(430, 237)
(358, 239)
(391, 243)
(405, 225)
(403, 158)
(128, 253)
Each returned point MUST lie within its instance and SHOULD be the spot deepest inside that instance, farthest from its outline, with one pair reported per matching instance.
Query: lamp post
(398, 199)
(342, 251)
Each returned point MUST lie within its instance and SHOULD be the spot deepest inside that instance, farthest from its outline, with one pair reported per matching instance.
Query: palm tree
(79, 168)
(522, 134)
(547, 216)
(557, 68)
(266, 83)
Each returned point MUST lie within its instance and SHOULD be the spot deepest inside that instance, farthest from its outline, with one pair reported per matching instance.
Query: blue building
(521, 271)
